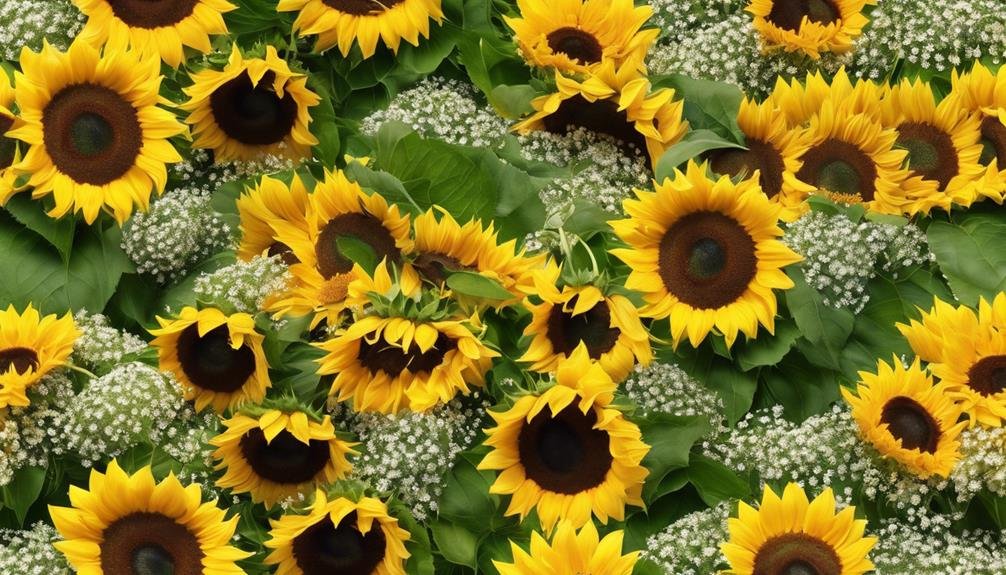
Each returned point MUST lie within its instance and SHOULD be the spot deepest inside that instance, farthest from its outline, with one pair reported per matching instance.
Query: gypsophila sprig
(30, 552)
(679, 18)
(243, 286)
(934, 549)
(29, 22)
(691, 545)
(28, 434)
(200, 174)
(982, 464)
(666, 388)
(100, 346)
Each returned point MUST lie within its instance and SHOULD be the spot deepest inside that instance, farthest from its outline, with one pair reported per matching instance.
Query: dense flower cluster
(101, 346)
(29, 434)
(30, 551)
(30, 22)
(691, 545)
(666, 388)
(936, 548)
(244, 285)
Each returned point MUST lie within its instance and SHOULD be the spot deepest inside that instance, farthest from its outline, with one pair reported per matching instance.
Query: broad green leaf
(690, 147)
(477, 285)
(670, 438)
(714, 481)
(512, 102)
(358, 251)
(23, 490)
(466, 500)
(801, 388)
(31, 214)
(767, 348)
(455, 543)
(709, 105)
(970, 253)
(824, 328)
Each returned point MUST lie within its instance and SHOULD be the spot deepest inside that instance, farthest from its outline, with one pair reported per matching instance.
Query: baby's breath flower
(100, 346)
(691, 545)
(30, 551)
(983, 462)
(28, 434)
(243, 286)
(25, 23)
(666, 388)
(934, 549)
(200, 174)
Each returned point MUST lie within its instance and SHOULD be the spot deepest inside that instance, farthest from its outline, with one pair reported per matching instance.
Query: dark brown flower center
(359, 227)
(908, 421)
(993, 141)
(436, 267)
(931, 151)
(988, 375)
(760, 155)
(327, 549)
(564, 453)
(152, 13)
(707, 260)
(796, 554)
(211, 363)
(601, 116)
(392, 360)
(841, 168)
(21, 359)
(789, 14)
(593, 327)
(286, 459)
(253, 115)
(7, 145)
(284, 252)
(576, 44)
(91, 133)
(150, 544)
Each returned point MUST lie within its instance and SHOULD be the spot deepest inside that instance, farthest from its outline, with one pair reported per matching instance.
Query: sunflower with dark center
(251, 109)
(364, 22)
(30, 347)
(270, 206)
(163, 27)
(706, 255)
(571, 553)
(566, 453)
(133, 525)
(799, 101)
(981, 92)
(279, 454)
(217, 358)
(8, 146)
(905, 416)
(809, 26)
(615, 101)
(338, 535)
(576, 35)
(973, 369)
(792, 535)
(94, 135)
(927, 336)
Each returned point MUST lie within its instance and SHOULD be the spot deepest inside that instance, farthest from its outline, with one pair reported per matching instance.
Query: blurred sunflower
(218, 359)
(809, 26)
(341, 22)
(908, 418)
(565, 452)
(705, 254)
(793, 536)
(267, 208)
(317, 542)
(983, 92)
(132, 524)
(8, 146)
(30, 347)
(251, 108)
(279, 454)
(95, 136)
(571, 553)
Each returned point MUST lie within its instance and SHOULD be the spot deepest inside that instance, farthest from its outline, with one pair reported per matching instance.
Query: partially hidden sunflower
(566, 453)
(942, 323)
(133, 524)
(266, 209)
(252, 108)
(983, 92)
(343, 22)
(800, 100)
(907, 417)
(706, 254)
(278, 454)
(8, 146)
(974, 373)
(575, 35)
(162, 27)
(95, 137)
(792, 535)
(809, 26)
(30, 347)
(339, 535)
(615, 101)
(571, 552)
(217, 358)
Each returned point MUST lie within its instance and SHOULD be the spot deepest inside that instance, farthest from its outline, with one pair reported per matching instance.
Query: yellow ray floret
(809, 26)
(30, 347)
(571, 553)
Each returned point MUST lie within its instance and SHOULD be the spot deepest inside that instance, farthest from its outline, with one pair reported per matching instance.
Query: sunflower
(705, 254)
(251, 108)
(218, 359)
(612, 101)
(566, 452)
(132, 524)
(279, 454)
(161, 27)
(271, 206)
(908, 418)
(389, 364)
(809, 26)
(8, 146)
(984, 93)
(973, 369)
(575, 35)
(30, 347)
(339, 536)
(800, 101)
(96, 138)
(792, 535)
(944, 322)
(571, 553)
(340, 22)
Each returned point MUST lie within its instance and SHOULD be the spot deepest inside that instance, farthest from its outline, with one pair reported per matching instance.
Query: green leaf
(31, 214)
(455, 543)
(714, 481)
(477, 285)
(971, 255)
(709, 105)
(328, 149)
(825, 328)
(801, 388)
(358, 251)
(691, 146)
(670, 438)
(426, 58)
(767, 349)
(23, 490)
(587, 219)
(736, 389)
(466, 500)
(94, 269)
(512, 102)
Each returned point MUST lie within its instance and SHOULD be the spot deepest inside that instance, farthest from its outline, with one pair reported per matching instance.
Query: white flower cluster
(691, 545)
(186, 441)
(982, 464)
(30, 552)
(842, 256)
(666, 388)
(243, 286)
(677, 19)
(179, 231)
(101, 346)
(933, 549)
(28, 22)
(199, 173)
(411, 453)
(28, 434)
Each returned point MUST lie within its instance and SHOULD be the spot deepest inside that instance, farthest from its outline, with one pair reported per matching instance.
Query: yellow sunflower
(8, 146)
(612, 101)
(339, 536)
(908, 418)
(251, 108)
(389, 364)
(95, 136)
(800, 101)
(984, 93)
(161, 27)
(267, 208)
(809, 26)
(705, 254)
(571, 553)
(566, 452)
(133, 524)
(792, 535)
(30, 347)
(945, 322)
(341, 22)
(575, 35)
(218, 359)
(279, 454)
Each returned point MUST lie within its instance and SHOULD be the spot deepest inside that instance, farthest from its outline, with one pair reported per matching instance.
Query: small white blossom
(30, 552)
(28, 22)
(243, 286)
